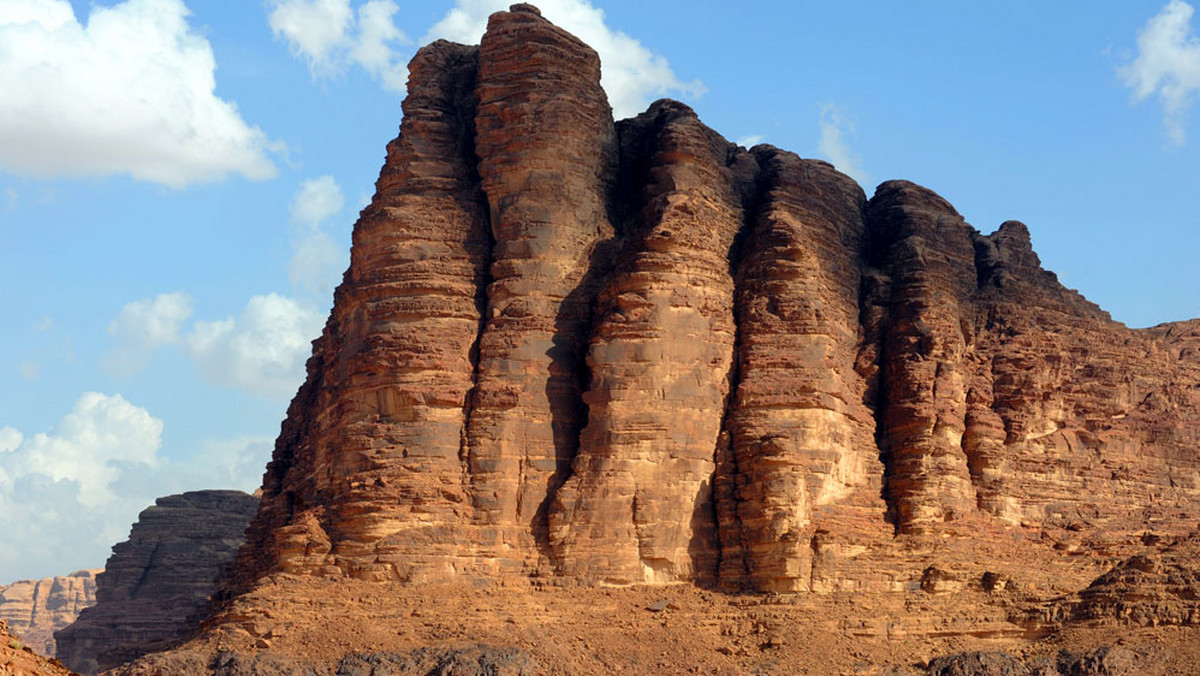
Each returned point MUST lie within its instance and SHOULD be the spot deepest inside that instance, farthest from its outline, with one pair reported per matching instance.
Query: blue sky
(178, 182)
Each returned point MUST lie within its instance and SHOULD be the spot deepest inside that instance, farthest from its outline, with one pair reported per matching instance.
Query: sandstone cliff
(35, 609)
(573, 350)
(157, 582)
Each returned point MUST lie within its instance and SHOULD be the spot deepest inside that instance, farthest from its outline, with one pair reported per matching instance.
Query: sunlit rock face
(35, 609)
(584, 352)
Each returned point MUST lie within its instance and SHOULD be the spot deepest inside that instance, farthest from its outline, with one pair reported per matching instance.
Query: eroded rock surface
(582, 352)
(1159, 587)
(157, 583)
(35, 609)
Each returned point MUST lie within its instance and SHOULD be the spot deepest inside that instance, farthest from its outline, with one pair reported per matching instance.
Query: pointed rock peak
(1013, 234)
(1014, 245)
(669, 108)
(526, 8)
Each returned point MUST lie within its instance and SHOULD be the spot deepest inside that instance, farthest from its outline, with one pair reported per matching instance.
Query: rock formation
(35, 609)
(158, 581)
(624, 353)
(572, 355)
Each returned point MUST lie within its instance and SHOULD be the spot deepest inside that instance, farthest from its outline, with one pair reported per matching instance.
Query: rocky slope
(19, 659)
(579, 353)
(158, 581)
(35, 609)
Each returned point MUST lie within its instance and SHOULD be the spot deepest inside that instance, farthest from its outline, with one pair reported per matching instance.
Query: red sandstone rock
(572, 351)
(546, 149)
(639, 497)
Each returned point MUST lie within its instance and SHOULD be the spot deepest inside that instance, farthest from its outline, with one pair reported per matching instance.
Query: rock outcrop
(35, 609)
(157, 583)
(585, 352)
(1158, 587)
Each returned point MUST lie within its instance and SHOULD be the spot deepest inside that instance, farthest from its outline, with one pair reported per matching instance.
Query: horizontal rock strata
(581, 352)
(157, 583)
(35, 609)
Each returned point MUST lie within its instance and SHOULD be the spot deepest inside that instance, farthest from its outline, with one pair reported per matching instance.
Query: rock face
(635, 353)
(158, 581)
(35, 609)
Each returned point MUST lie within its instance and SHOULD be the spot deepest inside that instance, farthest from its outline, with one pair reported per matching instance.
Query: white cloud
(144, 326)
(43, 325)
(632, 75)
(10, 199)
(317, 261)
(316, 200)
(89, 445)
(10, 439)
(832, 144)
(69, 494)
(331, 37)
(262, 351)
(751, 140)
(131, 92)
(236, 463)
(1167, 63)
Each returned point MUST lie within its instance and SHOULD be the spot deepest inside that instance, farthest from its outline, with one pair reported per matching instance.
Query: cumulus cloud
(142, 327)
(632, 75)
(129, 92)
(262, 351)
(1167, 64)
(68, 494)
(751, 140)
(89, 445)
(331, 36)
(317, 261)
(832, 143)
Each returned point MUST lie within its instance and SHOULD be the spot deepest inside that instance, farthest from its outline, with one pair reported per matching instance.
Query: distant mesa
(35, 609)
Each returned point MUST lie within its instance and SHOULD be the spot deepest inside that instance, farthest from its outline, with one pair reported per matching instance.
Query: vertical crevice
(33, 610)
(572, 335)
(752, 191)
(874, 316)
(465, 123)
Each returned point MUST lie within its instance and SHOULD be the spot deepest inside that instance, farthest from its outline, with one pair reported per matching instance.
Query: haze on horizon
(178, 181)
